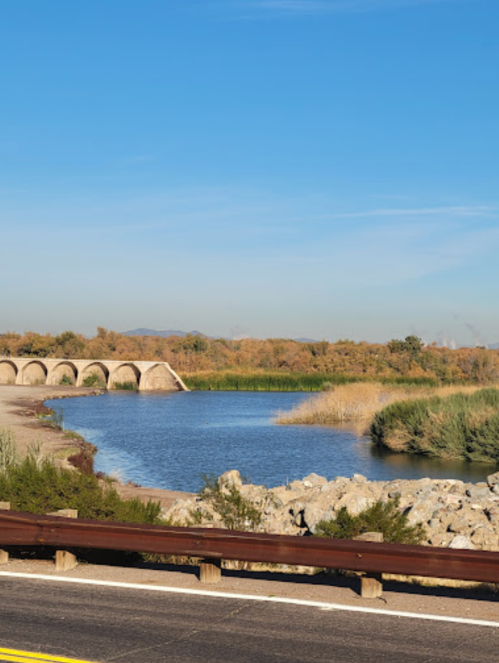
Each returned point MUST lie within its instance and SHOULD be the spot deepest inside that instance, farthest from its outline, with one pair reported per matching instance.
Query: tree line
(190, 354)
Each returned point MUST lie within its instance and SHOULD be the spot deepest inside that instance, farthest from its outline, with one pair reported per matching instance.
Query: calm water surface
(168, 440)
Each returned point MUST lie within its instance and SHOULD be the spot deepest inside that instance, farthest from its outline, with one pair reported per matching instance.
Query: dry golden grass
(359, 402)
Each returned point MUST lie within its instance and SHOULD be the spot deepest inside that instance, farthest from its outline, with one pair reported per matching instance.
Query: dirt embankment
(19, 407)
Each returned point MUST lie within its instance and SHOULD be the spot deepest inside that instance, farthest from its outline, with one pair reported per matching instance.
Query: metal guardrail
(23, 529)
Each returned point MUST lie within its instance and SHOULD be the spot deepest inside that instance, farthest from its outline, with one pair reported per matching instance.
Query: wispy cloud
(321, 7)
(453, 211)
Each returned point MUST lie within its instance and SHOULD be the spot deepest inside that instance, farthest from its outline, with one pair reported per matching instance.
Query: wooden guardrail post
(4, 555)
(210, 571)
(64, 560)
(371, 584)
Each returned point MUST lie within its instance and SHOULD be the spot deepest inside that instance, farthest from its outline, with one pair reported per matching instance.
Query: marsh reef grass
(461, 426)
(262, 381)
(359, 402)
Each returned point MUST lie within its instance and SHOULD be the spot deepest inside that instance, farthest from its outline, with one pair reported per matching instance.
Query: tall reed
(8, 449)
(359, 402)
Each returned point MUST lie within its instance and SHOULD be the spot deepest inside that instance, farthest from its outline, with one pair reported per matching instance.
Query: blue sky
(296, 168)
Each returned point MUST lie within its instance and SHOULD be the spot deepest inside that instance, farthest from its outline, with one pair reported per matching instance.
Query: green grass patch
(460, 426)
(73, 435)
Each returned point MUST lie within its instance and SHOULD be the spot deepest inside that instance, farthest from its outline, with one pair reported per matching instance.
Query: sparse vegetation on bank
(458, 426)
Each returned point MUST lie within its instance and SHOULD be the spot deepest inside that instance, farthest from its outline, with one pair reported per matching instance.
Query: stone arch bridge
(145, 375)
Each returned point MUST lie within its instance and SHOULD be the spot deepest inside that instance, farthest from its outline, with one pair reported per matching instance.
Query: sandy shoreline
(20, 404)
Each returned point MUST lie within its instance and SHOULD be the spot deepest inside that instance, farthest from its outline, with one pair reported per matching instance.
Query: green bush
(382, 517)
(125, 386)
(93, 380)
(67, 380)
(38, 486)
(461, 426)
(236, 511)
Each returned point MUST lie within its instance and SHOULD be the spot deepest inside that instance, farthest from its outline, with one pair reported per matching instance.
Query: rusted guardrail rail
(23, 529)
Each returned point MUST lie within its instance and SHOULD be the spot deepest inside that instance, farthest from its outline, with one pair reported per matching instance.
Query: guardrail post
(4, 555)
(210, 570)
(371, 584)
(64, 560)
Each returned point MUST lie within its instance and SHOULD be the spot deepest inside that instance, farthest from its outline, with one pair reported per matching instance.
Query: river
(168, 440)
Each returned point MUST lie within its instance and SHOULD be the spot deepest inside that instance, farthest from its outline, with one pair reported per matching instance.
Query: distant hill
(494, 346)
(143, 331)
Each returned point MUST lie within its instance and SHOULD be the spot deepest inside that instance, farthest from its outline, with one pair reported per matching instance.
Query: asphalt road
(109, 624)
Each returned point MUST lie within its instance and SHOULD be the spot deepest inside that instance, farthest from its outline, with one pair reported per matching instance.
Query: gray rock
(354, 503)
(421, 512)
(359, 478)
(315, 480)
(462, 542)
(493, 480)
(478, 492)
(230, 478)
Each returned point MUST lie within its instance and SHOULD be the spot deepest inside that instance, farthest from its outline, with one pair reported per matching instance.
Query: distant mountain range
(143, 331)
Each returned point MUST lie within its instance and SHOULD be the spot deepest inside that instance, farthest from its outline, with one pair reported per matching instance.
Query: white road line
(249, 597)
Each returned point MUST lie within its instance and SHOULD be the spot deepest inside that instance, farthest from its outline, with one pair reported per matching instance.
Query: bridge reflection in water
(143, 375)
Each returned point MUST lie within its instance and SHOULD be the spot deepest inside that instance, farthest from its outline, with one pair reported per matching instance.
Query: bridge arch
(35, 372)
(127, 373)
(8, 372)
(158, 378)
(63, 373)
(95, 374)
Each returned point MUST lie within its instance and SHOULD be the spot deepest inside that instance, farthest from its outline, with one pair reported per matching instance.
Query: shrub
(38, 486)
(236, 511)
(67, 380)
(382, 517)
(125, 386)
(94, 380)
